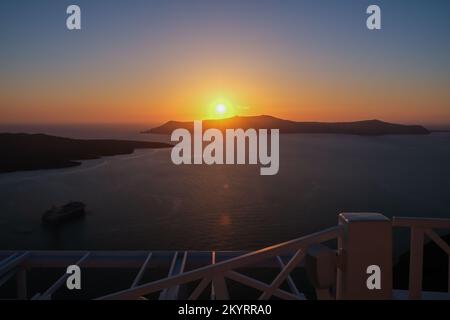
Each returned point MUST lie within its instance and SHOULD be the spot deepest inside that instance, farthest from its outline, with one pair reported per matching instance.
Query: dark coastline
(22, 152)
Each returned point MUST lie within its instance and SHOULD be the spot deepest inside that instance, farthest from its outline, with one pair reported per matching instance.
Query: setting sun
(221, 108)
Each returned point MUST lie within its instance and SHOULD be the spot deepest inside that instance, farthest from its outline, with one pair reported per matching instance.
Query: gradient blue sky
(138, 61)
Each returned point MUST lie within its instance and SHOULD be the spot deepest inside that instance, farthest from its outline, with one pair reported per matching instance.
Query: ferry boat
(69, 211)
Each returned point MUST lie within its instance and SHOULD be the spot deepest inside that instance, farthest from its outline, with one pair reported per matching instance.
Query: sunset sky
(158, 60)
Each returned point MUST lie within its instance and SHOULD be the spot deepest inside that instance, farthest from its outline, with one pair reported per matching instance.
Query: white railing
(421, 227)
(218, 273)
(363, 239)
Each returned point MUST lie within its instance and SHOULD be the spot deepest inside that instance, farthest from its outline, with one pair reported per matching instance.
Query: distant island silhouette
(366, 127)
(21, 151)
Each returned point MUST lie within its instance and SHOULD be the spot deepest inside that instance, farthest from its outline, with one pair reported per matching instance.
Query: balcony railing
(364, 239)
(421, 227)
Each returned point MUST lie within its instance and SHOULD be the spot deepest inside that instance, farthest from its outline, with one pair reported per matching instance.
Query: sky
(138, 61)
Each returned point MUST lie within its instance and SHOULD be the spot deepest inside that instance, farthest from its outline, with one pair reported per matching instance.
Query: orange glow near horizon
(179, 61)
(183, 102)
(196, 95)
(247, 87)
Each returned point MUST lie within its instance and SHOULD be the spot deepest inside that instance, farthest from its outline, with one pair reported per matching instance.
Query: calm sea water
(143, 201)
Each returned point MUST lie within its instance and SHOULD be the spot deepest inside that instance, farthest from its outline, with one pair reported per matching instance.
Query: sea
(142, 201)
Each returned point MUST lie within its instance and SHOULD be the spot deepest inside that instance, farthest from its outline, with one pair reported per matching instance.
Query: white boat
(67, 212)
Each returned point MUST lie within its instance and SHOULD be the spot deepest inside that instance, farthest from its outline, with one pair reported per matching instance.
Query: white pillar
(365, 245)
